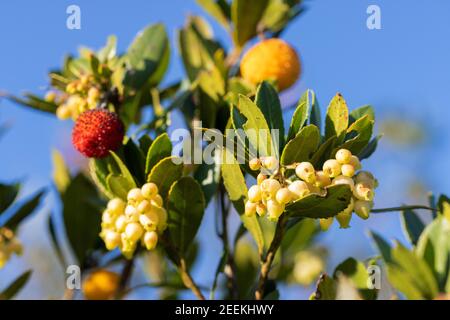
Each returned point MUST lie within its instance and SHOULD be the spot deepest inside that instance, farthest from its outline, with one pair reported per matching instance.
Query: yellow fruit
(100, 285)
(271, 59)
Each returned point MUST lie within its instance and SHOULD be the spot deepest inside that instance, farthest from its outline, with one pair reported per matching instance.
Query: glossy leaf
(412, 225)
(8, 193)
(326, 289)
(246, 15)
(34, 102)
(25, 209)
(165, 173)
(213, 8)
(14, 288)
(302, 146)
(186, 206)
(316, 206)
(301, 113)
(361, 112)
(124, 172)
(370, 148)
(363, 128)
(337, 117)
(159, 149)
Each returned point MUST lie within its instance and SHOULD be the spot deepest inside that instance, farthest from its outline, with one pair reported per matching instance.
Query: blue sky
(402, 70)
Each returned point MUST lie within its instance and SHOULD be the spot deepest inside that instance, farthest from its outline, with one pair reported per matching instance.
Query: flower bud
(332, 168)
(362, 192)
(144, 206)
(354, 161)
(345, 215)
(50, 96)
(344, 180)
(254, 194)
(261, 209)
(254, 164)
(150, 240)
(326, 223)
(299, 189)
(348, 170)
(112, 240)
(250, 208)
(306, 172)
(274, 209)
(63, 112)
(362, 208)
(271, 186)
(116, 206)
(135, 195)
(260, 178)
(134, 231)
(366, 178)
(322, 180)
(121, 223)
(148, 221)
(131, 213)
(157, 201)
(270, 163)
(149, 190)
(343, 156)
(284, 196)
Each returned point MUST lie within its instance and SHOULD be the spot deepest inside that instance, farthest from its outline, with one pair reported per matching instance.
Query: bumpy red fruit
(96, 132)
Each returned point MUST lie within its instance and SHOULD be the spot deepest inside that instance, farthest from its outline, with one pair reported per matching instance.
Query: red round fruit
(96, 132)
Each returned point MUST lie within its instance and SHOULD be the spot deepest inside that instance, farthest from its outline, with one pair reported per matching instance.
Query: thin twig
(267, 262)
(125, 278)
(413, 207)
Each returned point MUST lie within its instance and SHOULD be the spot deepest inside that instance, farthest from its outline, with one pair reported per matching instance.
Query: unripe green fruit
(343, 156)
(149, 190)
(250, 208)
(306, 172)
(348, 170)
(271, 186)
(261, 209)
(112, 240)
(326, 223)
(254, 194)
(270, 163)
(135, 195)
(284, 196)
(299, 189)
(116, 206)
(322, 180)
(134, 231)
(354, 161)
(121, 223)
(362, 192)
(344, 180)
(254, 164)
(362, 208)
(260, 178)
(150, 240)
(332, 168)
(274, 208)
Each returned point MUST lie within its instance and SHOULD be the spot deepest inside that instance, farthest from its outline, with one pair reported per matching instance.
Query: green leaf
(412, 225)
(361, 112)
(61, 173)
(382, 246)
(82, 219)
(324, 152)
(418, 271)
(301, 113)
(234, 182)
(124, 172)
(159, 149)
(256, 129)
(315, 117)
(213, 8)
(316, 206)
(147, 56)
(276, 15)
(15, 286)
(186, 206)
(269, 103)
(337, 118)
(326, 289)
(135, 161)
(246, 15)
(302, 146)
(208, 176)
(8, 194)
(27, 208)
(370, 148)
(165, 173)
(118, 186)
(99, 171)
(34, 102)
(434, 247)
(109, 50)
(54, 239)
(363, 128)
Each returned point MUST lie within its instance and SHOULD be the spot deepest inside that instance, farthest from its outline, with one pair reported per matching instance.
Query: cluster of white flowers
(272, 193)
(140, 220)
(9, 245)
